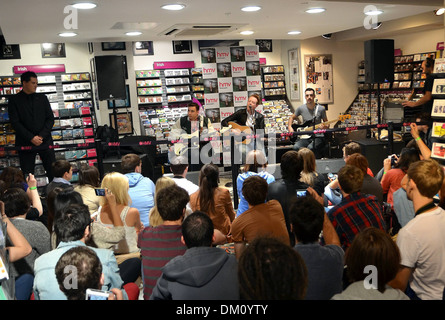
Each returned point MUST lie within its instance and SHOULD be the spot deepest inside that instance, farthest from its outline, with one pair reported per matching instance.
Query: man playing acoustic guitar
(251, 120)
(312, 114)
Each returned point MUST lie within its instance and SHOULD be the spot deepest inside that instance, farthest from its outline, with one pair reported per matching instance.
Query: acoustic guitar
(244, 129)
(308, 127)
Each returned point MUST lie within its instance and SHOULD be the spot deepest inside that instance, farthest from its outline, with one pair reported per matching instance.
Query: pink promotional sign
(48, 68)
(440, 46)
(174, 65)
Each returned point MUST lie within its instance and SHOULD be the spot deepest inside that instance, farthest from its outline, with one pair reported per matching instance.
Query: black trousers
(28, 158)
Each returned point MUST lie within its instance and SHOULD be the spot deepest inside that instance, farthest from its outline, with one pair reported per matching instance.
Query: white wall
(418, 42)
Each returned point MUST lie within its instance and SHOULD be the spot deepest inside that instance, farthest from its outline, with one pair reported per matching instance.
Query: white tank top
(129, 243)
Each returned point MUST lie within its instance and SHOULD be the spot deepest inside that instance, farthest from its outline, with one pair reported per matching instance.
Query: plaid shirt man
(354, 213)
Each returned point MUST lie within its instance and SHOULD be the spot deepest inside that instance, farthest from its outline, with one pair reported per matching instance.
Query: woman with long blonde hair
(309, 175)
(117, 184)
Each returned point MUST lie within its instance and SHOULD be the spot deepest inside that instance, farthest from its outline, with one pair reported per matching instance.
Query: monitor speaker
(110, 75)
(376, 151)
(379, 61)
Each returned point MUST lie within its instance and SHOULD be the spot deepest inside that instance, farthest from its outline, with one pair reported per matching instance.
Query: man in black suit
(32, 118)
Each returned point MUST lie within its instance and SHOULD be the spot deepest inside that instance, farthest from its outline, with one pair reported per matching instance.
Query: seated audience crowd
(170, 239)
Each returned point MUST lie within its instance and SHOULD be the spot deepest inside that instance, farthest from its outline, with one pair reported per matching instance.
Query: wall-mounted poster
(124, 122)
(143, 48)
(9, 51)
(264, 45)
(294, 74)
(53, 50)
(109, 46)
(319, 76)
(182, 46)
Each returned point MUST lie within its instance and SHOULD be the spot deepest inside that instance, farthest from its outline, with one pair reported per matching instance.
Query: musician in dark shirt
(425, 103)
(311, 114)
(247, 117)
(253, 121)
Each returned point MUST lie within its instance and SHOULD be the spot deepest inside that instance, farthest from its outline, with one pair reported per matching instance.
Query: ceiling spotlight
(375, 26)
(246, 33)
(439, 12)
(84, 5)
(251, 8)
(315, 10)
(67, 34)
(294, 32)
(327, 36)
(133, 33)
(373, 12)
(173, 7)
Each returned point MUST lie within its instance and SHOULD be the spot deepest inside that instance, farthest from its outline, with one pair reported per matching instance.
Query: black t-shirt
(428, 106)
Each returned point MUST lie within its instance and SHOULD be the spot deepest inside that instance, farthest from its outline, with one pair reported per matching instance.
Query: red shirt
(158, 246)
(391, 182)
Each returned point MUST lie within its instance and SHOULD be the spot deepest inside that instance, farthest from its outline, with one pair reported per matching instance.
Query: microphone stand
(117, 129)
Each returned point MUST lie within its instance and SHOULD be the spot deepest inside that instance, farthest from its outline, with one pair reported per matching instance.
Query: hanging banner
(230, 75)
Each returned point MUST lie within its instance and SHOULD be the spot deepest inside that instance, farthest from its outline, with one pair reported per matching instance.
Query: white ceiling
(39, 21)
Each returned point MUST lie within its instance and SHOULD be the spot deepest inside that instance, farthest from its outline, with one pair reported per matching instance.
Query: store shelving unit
(273, 78)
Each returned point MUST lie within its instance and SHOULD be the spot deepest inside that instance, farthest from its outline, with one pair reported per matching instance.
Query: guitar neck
(323, 123)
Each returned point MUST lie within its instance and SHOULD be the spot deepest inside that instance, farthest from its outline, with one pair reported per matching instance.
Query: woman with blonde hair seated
(117, 184)
(309, 175)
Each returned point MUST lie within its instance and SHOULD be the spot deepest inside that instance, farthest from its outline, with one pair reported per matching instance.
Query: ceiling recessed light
(294, 32)
(246, 33)
(439, 12)
(173, 7)
(84, 5)
(133, 33)
(67, 34)
(251, 8)
(373, 12)
(315, 10)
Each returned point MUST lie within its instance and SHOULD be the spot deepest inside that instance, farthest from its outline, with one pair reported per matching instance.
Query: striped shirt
(158, 246)
(355, 213)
